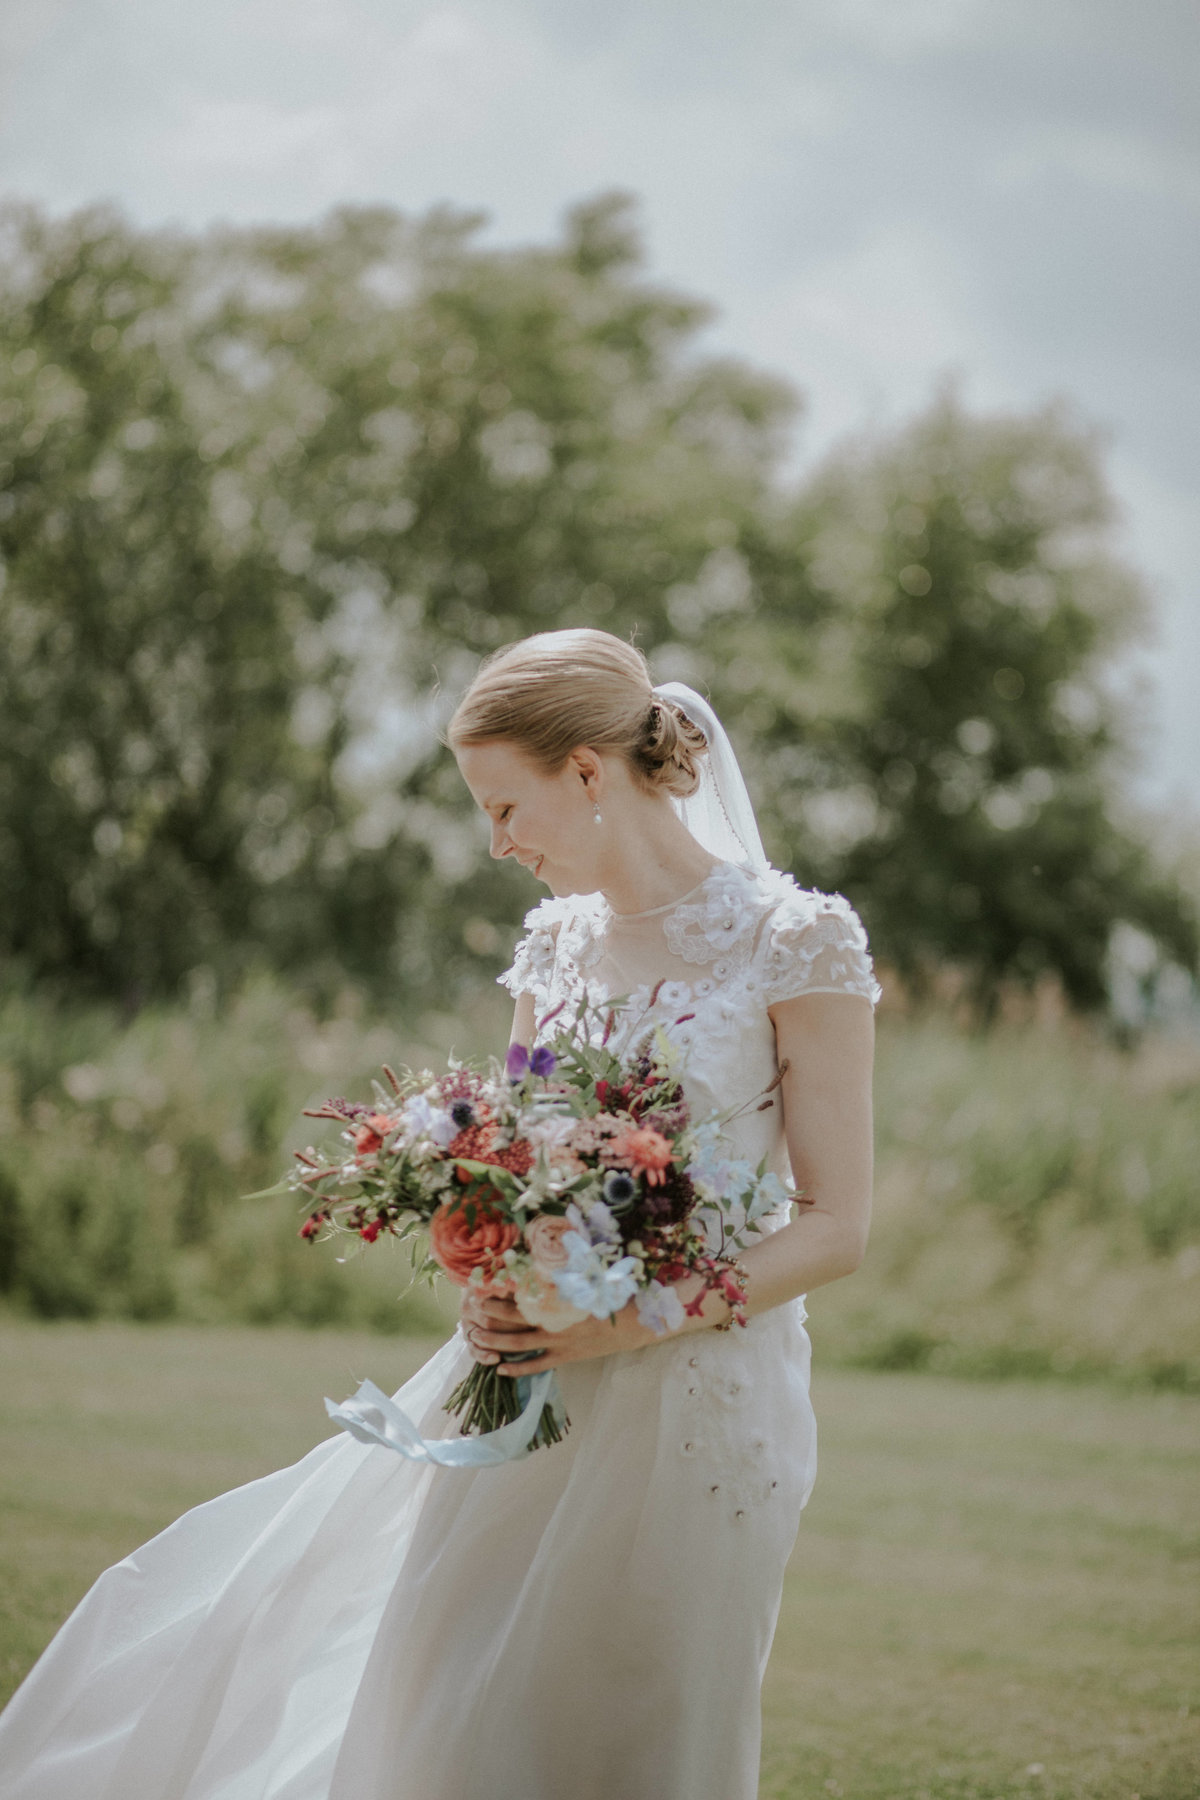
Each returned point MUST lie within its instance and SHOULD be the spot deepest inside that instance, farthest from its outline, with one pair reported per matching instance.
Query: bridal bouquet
(568, 1178)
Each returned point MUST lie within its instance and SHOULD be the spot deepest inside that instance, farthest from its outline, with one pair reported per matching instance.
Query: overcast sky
(873, 192)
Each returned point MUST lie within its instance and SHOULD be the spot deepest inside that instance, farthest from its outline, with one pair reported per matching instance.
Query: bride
(591, 1621)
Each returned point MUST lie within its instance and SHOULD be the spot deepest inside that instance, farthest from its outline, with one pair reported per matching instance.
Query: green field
(994, 1592)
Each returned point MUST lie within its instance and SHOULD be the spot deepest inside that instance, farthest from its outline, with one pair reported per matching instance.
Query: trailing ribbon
(374, 1419)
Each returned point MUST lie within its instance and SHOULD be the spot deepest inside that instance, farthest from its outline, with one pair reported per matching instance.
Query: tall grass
(1038, 1207)
(1038, 1189)
(128, 1150)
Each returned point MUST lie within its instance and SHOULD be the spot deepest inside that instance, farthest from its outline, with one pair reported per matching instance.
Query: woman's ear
(587, 767)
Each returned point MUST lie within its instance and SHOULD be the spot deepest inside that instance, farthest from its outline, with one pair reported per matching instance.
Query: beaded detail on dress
(734, 1463)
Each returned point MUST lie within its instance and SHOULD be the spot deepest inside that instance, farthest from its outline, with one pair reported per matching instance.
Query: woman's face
(545, 822)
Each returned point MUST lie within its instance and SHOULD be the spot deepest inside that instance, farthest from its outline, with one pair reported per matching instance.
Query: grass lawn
(994, 1593)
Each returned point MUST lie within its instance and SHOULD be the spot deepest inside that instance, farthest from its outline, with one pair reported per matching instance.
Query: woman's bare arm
(827, 1042)
(524, 1021)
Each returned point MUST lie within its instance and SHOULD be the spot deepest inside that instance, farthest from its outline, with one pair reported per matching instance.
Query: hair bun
(672, 748)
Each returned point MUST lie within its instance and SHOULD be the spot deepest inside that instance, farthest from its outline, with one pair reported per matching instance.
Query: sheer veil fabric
(720, 814)
(590, 1622)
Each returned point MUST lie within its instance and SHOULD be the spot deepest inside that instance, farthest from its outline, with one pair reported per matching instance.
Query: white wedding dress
(588, 1623)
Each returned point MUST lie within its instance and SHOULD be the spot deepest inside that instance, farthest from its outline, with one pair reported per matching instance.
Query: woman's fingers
(533, 1366)
(509, 1341)
(491, 1311)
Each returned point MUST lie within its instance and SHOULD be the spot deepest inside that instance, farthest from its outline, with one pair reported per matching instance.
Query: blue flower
(660, 1308)
(769, 1193)
(590, 1282)
(594, 1222)
(543, 1062)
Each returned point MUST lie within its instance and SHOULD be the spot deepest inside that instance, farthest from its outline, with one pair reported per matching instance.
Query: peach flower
(544, 1235)
(644, 1149)
(369, 1136)
(539, 1302)
(461, 1247)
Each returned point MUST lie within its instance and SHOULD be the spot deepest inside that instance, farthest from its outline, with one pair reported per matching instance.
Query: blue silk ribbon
(372, 1418)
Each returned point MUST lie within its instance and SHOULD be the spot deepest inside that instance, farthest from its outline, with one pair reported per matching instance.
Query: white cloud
(1124, 160)
(236, 137)
(867, 332)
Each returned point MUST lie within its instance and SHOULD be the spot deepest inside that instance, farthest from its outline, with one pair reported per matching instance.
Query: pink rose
(544, 1235)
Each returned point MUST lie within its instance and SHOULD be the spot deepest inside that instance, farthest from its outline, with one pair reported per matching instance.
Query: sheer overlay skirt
(591, 1621)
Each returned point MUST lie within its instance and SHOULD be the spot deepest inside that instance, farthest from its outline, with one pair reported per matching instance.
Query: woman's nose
(501, 842)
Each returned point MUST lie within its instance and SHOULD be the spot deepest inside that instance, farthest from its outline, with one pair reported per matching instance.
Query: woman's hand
(495, 1331)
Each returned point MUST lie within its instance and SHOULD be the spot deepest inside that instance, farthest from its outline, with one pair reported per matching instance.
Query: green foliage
(128, 1155)
(266, 496)
(260, 493)
(1037, 1210)
(958, 764)
(147, 680)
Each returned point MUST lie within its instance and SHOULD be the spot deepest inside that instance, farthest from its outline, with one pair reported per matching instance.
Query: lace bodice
(719, 958)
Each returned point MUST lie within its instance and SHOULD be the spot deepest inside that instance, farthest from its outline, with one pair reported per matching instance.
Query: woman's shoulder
(810, 941)
(781, 895)
(574, 920)
(533, 955)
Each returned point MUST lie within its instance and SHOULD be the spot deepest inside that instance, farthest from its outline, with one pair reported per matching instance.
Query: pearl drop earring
(597, 817)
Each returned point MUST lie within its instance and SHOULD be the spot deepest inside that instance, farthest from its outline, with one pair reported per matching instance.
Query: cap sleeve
(815, 944)
(533, 959)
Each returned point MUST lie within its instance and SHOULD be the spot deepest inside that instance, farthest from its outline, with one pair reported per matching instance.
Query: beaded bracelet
(734, 1287)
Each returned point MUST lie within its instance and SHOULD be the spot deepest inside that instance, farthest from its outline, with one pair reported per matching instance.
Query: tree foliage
(267, 495)
(958, 755)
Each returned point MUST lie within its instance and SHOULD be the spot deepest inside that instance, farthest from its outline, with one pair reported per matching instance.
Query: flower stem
(487, 1400)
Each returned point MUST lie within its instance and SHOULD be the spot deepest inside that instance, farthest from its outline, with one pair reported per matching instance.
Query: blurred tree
(267, 494)
(956, 758)
(147, 676)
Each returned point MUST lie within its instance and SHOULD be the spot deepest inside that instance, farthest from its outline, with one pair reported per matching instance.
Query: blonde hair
(551, 693)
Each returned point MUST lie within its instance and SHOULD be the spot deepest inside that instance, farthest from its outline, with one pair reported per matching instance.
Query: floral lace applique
(581, 940)
(732, 1458)
(719, 927)
(532, 970)
(563, 938)
(815, 944)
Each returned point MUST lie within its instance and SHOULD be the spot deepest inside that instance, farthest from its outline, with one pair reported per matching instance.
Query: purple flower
(520, 1063)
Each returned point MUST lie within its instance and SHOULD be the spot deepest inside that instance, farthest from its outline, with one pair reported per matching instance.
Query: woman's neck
(652, 860)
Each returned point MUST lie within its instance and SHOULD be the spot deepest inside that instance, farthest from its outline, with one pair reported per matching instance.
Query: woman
(590, 1622)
